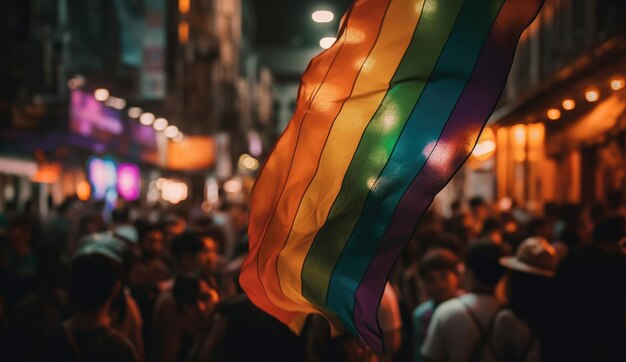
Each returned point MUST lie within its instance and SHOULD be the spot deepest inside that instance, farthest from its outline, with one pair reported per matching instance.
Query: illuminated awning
(608, 116)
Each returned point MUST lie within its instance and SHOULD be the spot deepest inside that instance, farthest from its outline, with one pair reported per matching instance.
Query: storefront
(566, 143)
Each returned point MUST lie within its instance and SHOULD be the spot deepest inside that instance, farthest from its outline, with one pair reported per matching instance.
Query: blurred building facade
(191, 62)
(559, 130)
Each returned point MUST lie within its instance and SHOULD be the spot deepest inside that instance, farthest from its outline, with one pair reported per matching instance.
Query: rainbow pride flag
(384, 119)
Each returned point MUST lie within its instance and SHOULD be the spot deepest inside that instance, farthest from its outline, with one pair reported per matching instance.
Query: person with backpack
(461, 328)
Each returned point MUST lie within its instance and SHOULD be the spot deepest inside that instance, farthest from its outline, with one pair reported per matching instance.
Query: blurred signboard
(91, 118)
(191, 154)
(143, 143)
(130, 16)
(109, 179)
(102, 173)
(153, 81)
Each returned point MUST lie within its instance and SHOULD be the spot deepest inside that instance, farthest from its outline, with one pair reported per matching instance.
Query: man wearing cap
(520, 327)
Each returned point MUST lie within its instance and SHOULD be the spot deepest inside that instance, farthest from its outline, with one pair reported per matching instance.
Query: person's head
(238, 214)
(95, 279)
(571, 214)
(203, 224)
(597, 212)
(571, 238)
(492, 230)
(152, 241)
(482, 267)
(209, 255)
(19, 235)
(174, 225)
(609, 231)
(438, 269)
(195, 253)
(532, 267)
(456, 207)
(195, 299)
(479, 206)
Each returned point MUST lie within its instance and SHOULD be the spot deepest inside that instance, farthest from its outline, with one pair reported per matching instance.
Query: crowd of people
(487, 283)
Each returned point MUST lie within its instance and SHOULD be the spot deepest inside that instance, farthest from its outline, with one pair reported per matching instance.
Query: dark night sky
(289, 23)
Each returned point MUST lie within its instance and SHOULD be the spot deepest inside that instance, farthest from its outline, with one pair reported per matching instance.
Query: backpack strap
(485, 333)
(69, 334)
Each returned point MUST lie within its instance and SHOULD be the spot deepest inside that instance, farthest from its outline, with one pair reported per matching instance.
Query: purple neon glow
(87, 115)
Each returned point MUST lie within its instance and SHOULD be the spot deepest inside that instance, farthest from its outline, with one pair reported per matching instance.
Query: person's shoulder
(453, 305)
(508, 322)
(448, 310)
(506, 318)
(425, 307)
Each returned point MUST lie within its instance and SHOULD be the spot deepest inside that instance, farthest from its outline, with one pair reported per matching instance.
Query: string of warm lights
(592, 95)
(145, 118)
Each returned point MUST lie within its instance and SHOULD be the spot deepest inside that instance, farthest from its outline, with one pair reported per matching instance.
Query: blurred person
(215, 262)
(456, 208)
(551, 213)
(512, 231)
(461, 328)
(597, 212)
(150, 268)
(95, 280)
(125, 315)
(145, 276)
(18, 262)
(491, 231)
(34, 319)
(409, 285)
(89, 224)
(573, 221)
(520, 213)
(238, 322)
(196, 253)
(615, 204)
(174, 226)
(203, 223)
(322, 346)
(59, 226)
(182, 326)
(479, 211)
(4, 222)
(587, 315)
(124, 229)
(237, 234)
(538, 227)
(520, 328)
(567, 241)
(609, 231)
(390, 322)
(438, 269)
